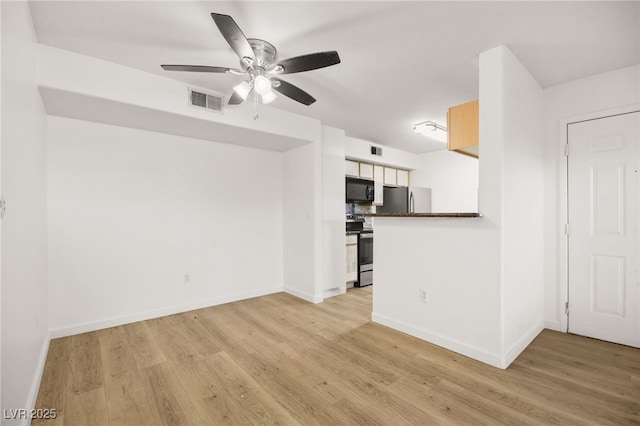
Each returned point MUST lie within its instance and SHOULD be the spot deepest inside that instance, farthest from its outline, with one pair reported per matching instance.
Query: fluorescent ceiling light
(431, 130)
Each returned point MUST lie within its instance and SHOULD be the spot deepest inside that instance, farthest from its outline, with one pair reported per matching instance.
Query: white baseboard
(521, 345)
(553, 325)
(35, 384)
(453, 345)
(334, 292)
(169, 310)
(313, 298)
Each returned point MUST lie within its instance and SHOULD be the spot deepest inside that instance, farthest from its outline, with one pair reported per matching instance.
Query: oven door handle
(366, 235)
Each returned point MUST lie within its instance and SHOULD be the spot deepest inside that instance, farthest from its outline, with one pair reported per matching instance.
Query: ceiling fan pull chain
(255, 105)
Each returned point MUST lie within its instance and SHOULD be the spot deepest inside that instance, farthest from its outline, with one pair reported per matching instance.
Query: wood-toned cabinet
(463, 128)
(352, 258)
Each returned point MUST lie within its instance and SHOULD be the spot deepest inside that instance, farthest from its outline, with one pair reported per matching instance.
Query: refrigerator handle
(412, 203)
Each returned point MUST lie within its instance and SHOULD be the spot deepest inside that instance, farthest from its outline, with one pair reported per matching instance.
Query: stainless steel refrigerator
(402, 199)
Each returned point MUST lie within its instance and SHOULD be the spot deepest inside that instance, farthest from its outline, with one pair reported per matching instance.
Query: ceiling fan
(259, 63)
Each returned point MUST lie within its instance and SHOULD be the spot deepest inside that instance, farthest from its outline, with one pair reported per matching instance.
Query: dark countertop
(422, 214)
(364, 231)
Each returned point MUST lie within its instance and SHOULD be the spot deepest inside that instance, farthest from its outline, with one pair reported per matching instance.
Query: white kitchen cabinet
(390, 177)
(378, 193)
(352, 258)
(378, 181)
(366, 171)
(352, 168)
(402, 177)
(378, 173)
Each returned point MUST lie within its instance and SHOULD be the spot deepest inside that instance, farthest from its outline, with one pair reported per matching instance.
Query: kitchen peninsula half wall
(476, 286)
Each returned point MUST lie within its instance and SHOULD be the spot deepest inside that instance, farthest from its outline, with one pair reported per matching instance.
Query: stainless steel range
(355, 225)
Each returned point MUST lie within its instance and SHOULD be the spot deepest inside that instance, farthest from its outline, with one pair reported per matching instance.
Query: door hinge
(566, 229)
(566, 308)
(566, 150)
(3, 208)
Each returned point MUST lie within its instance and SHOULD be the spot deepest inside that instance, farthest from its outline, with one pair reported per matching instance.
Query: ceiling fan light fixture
(268, 97)
(262, 85)
(243, 89)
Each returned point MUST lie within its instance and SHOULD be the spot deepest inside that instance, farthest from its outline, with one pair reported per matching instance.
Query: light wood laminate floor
(279, 360)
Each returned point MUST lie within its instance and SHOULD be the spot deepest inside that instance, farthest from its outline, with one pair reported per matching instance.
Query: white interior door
(603, 194)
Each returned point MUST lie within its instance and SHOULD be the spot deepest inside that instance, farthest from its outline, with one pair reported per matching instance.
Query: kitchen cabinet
(462, 128)
(352, 168)
(352, 258)
(378, 173)
(378, 181)
(366, 171)
(390, 176)
(402, 177)
(378, 194)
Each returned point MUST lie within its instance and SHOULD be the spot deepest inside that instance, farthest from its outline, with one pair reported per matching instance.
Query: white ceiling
(402, 62)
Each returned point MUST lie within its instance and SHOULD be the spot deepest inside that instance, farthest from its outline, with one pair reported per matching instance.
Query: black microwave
(359, 190)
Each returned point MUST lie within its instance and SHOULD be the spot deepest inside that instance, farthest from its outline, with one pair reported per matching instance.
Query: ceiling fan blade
(235, 99)
(293, 92)
(309, 62)
(201, 68)
(235, 37)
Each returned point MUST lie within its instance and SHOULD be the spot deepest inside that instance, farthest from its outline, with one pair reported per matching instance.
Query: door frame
(563, 192)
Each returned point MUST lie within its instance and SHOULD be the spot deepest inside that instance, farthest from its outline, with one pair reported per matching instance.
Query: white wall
(453, 179)
(79, 86)
(593, 96)
(1, 405)
(25, 327)
(360, 149)
(132, 211)
(301, 271)
(470, 267)
(456, 261)
(522, 142)
(333, 196)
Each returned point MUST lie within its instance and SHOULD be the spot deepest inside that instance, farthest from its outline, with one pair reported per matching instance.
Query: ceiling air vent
(205, 100)
(376, 150)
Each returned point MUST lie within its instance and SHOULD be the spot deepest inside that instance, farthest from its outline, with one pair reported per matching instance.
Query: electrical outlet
(423, 295)
(187, 278)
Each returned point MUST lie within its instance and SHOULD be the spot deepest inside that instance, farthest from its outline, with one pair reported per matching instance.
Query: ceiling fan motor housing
(264, 52)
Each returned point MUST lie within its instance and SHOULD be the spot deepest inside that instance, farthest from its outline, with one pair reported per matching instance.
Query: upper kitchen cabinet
(390, 176)
(462, 128)
(366, 171)
(378, 173)
(381, 175)
(352, 168)
(378, 185)
(402, 177)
